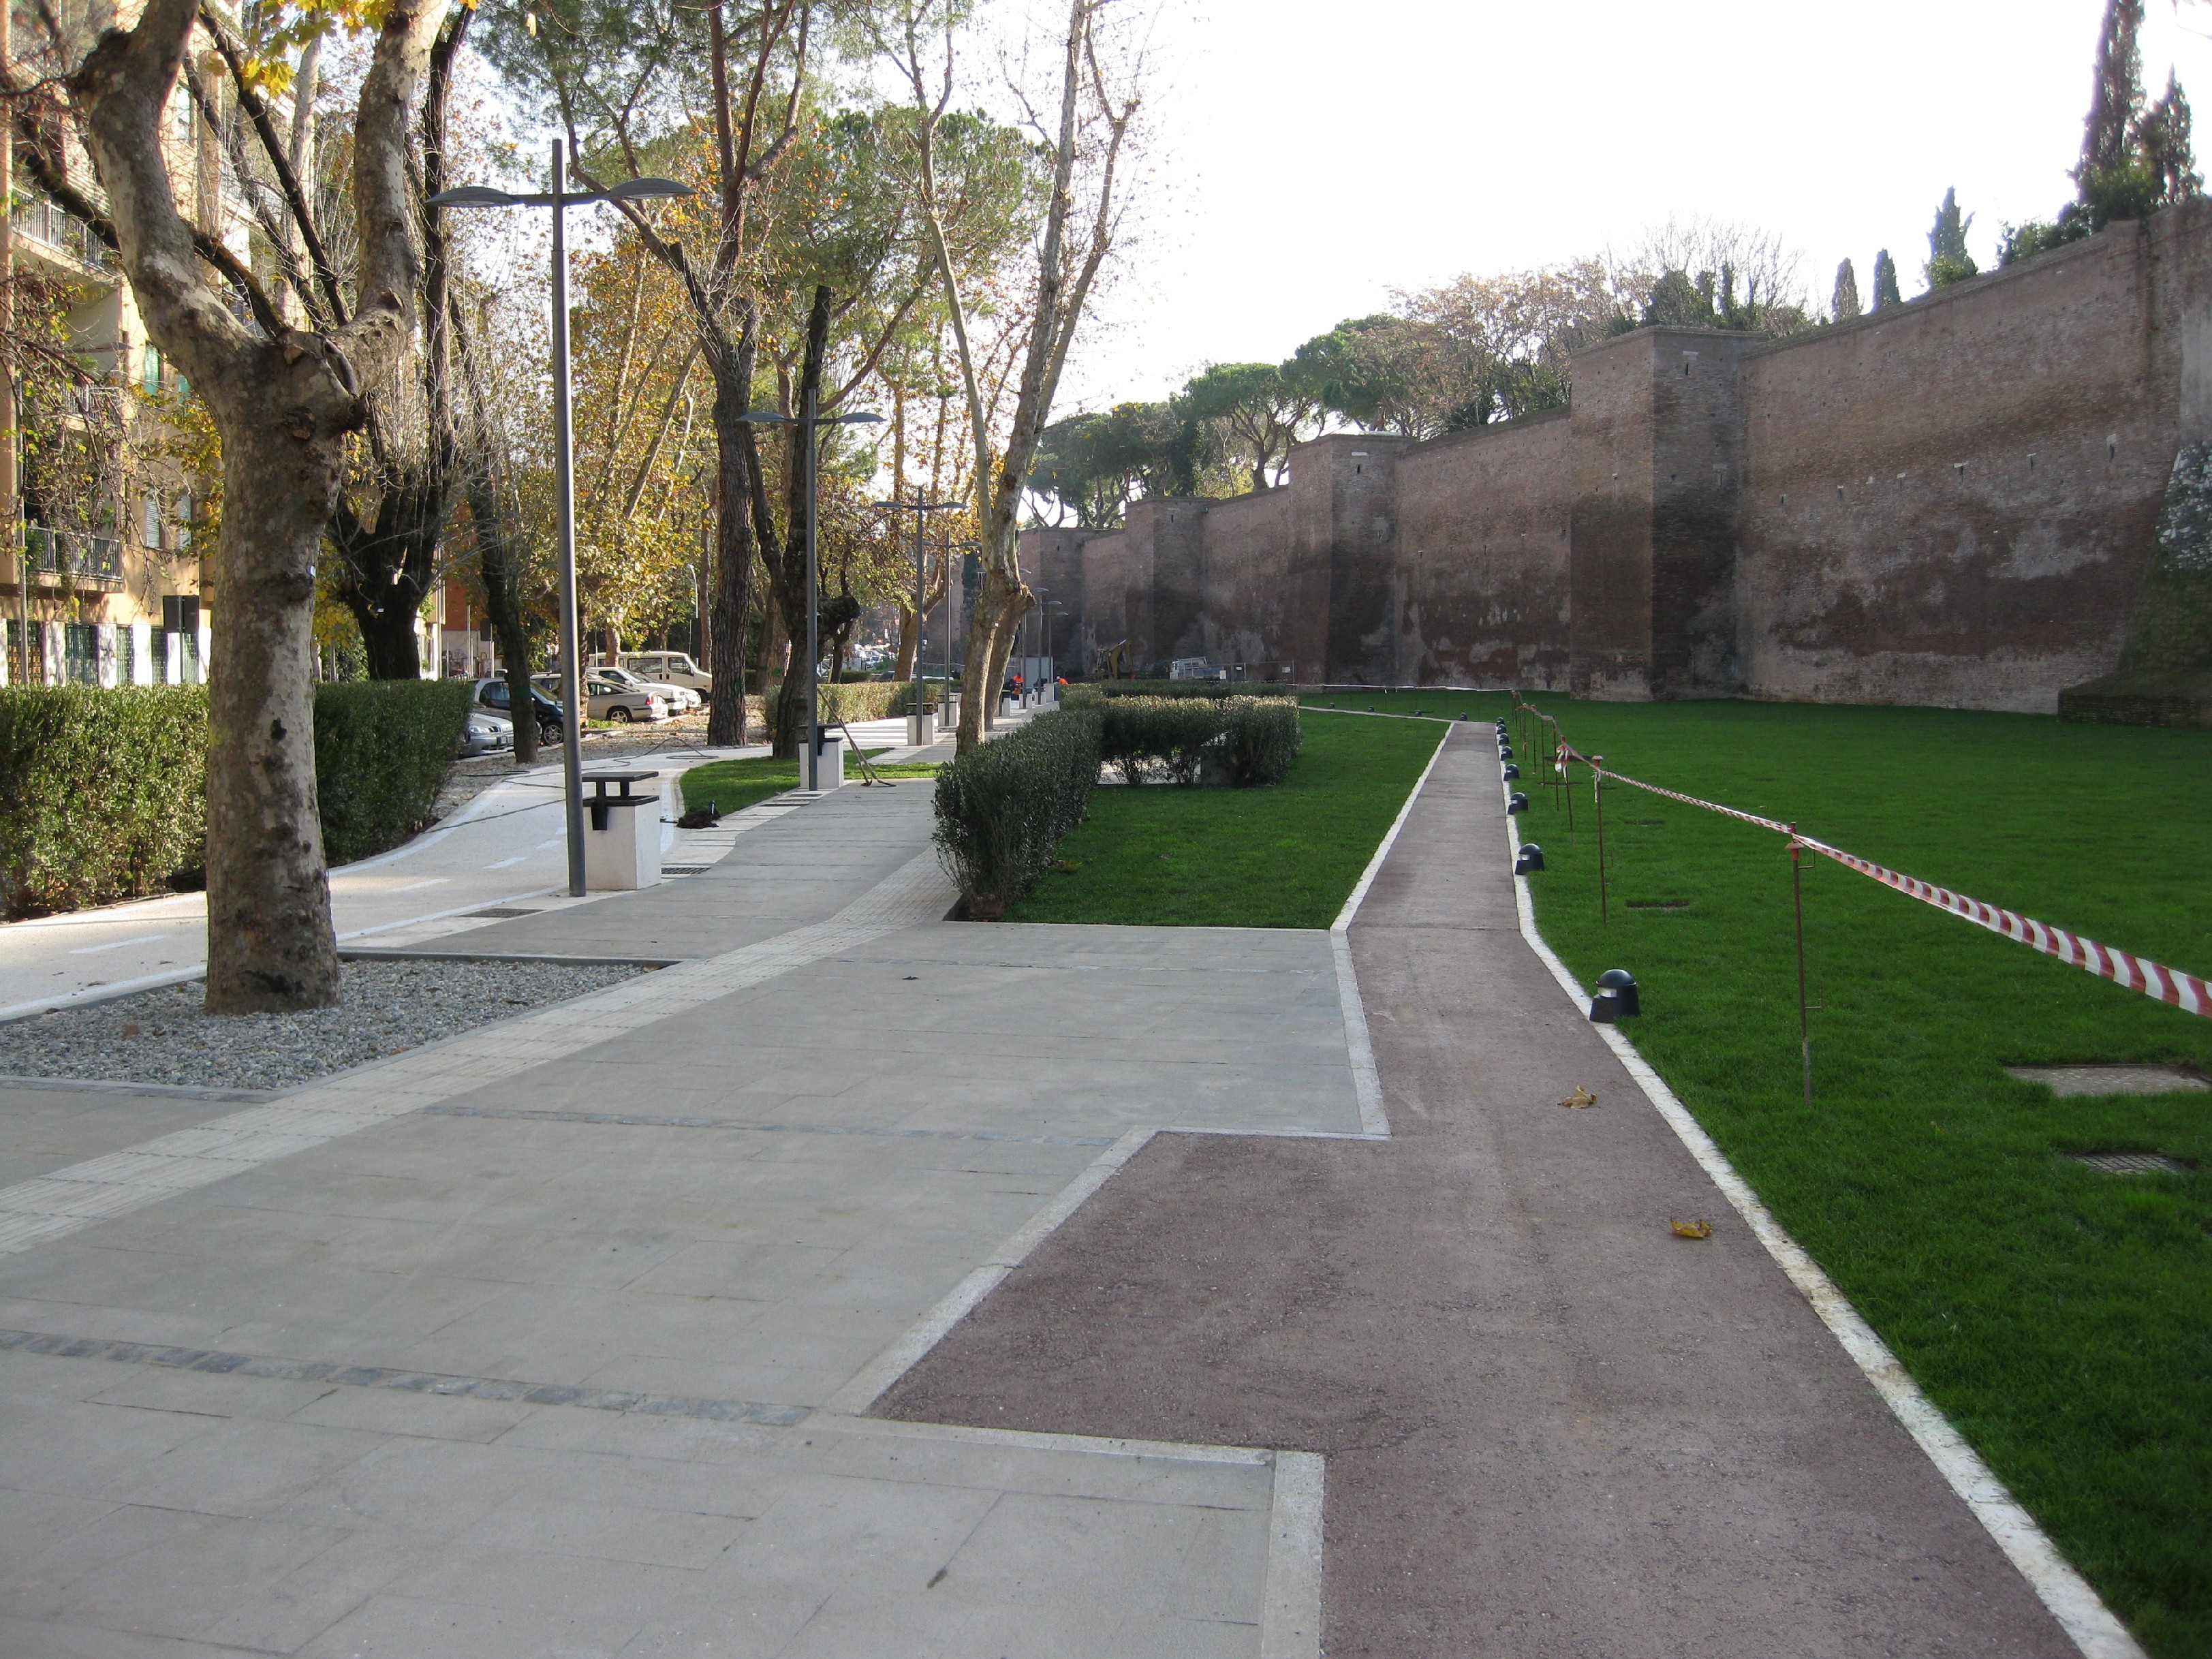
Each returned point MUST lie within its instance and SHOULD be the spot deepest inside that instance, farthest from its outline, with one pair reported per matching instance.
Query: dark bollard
(1616, 999)
(1529, 859)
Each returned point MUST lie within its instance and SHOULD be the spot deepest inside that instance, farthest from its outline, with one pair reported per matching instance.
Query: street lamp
(921, 509)
(810, 423)
(561, 199)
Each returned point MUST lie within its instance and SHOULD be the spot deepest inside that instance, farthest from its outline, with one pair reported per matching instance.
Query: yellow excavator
(1113, 660)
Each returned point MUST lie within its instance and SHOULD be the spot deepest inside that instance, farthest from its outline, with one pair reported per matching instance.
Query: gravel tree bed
(163, 1035)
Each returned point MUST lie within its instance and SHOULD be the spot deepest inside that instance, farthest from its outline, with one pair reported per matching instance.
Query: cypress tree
(2117, 98)
(1948, 259)
(2162, 139)
(1846, 303)
(1885, 281)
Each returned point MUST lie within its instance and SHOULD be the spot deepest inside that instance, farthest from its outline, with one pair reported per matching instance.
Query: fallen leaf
(131, 1029)
(1692, 1229)
(1580, 1098)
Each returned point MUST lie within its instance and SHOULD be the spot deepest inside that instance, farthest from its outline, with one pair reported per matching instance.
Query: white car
(670, 668)
(680, 699)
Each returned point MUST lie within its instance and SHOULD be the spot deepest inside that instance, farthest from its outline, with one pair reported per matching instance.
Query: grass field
(734, 785)
(2062, 1318)
(1280, 857)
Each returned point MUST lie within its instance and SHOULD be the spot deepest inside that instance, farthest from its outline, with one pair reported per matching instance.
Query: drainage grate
(2131, 1162)
(502, 910)
(685, 869)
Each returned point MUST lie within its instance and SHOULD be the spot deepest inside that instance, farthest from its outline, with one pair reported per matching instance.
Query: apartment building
(100, 583)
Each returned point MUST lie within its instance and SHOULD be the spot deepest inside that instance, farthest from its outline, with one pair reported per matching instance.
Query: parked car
(679, 701)
(671, 668)
(485, 733)
(492, 695)
(604, 700)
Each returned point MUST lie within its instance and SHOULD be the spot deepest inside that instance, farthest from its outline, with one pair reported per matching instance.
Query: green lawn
(1281, 857)
(2062, 1318)
(734, 785)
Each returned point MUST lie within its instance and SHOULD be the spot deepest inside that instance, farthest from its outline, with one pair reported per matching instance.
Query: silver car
(604, 700)
(679, 700)
(485, 733)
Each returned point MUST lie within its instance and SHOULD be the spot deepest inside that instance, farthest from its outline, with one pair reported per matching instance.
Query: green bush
(859, 700)
(1095, 694)
(102, 793)
(1003, 807)
(1239, 740)
(1262, 739)
(381, 751)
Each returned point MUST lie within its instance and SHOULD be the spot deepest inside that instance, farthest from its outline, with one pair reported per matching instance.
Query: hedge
(1004, 806)
(381, 750)
(103, 793)
(1094, 694)
(1239, 740)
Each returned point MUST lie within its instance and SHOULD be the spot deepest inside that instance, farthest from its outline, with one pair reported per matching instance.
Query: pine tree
(1885, 281)
(1846, 303)
(1949, 261)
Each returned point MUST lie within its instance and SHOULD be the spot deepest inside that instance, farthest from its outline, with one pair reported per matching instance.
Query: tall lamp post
(921, 509)
(810, 424)
(560, 199)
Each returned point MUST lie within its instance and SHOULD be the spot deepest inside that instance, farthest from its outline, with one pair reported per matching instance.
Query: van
(669, 668)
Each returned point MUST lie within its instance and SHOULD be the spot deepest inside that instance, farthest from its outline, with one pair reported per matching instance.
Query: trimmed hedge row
(1003, 807)
(382, 748)
(1242, 741)
(103, 793)
(1094, 694)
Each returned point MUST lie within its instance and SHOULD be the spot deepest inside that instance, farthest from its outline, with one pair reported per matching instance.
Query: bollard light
(1516, 802)
(1529, 859)
(1511, 771)
(1616, 999)
(1504, 750)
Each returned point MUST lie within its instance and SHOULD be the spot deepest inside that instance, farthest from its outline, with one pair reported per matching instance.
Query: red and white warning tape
(2169, 985)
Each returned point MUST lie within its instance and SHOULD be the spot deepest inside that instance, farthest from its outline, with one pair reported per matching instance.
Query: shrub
(1003, 807)
(1095, 694)
(1261, 740)
(102, 793)
(862, 700)
(381, 751)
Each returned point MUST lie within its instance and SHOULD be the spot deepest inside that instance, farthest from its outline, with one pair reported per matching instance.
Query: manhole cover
(2130, 1163)
(502, 910)
(2109, 1079)
(685, 869)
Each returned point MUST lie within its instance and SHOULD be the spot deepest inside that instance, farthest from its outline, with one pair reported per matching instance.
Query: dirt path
(1552, 1428)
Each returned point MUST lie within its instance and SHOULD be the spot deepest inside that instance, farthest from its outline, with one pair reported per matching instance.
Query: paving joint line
(648, 1120)
(215, 1362)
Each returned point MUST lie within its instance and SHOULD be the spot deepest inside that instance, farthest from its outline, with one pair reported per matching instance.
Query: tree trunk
(733, 539)
(907, 644)
(388, 636)
(997, 604)
(506, 614)
(271, 946)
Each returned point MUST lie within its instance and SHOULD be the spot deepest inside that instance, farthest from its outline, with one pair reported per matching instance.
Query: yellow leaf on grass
(1692, 1229)
(1580, 1098)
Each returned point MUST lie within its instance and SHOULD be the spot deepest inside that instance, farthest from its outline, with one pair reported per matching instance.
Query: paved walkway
(552, 1339)
(1551, 1428)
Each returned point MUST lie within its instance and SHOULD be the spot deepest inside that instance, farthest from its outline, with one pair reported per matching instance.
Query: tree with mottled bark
(284, 400)
(1087, 135)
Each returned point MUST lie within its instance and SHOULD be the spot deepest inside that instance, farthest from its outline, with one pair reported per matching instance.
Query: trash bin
(622, 834)
(829, 769)
(921, 729)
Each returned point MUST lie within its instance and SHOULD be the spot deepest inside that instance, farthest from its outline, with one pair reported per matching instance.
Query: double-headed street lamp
(809, 424)
(921, 509)
(560, 200)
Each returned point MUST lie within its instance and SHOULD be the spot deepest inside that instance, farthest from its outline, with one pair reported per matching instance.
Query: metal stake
(1597, 793)
(1804, 1014)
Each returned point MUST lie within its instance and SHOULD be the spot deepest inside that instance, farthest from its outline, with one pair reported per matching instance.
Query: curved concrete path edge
(2077, 1608)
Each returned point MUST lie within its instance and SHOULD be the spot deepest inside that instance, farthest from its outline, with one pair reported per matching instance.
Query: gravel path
(163, 1035)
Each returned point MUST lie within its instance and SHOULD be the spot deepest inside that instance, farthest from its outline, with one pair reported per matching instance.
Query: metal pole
(920, 517)
(813, 605)
(1804, 1015)
(572, 701)
(1598, 793)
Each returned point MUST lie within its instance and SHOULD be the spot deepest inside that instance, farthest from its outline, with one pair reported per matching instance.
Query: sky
(1307, 159)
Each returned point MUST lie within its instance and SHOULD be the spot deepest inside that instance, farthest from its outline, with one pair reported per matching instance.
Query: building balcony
(46, 227)
(72, 559)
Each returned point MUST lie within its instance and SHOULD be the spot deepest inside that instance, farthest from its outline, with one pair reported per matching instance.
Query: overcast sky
(1311, 157)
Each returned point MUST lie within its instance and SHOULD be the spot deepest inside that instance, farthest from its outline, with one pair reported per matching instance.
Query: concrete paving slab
(43, 1129)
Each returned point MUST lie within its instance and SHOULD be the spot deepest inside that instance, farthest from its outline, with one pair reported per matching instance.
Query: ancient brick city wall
(1950, 502)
